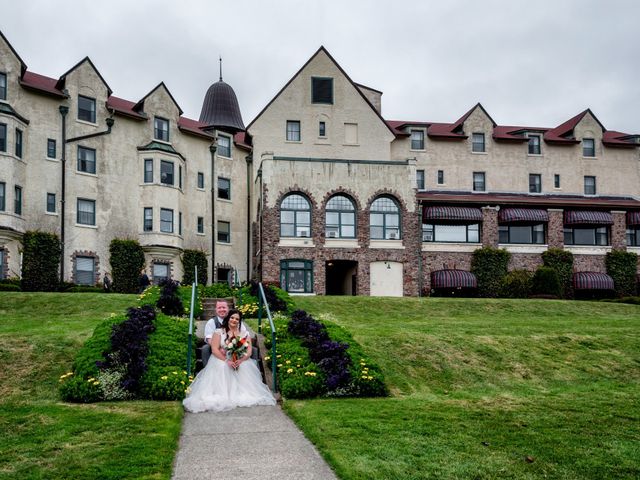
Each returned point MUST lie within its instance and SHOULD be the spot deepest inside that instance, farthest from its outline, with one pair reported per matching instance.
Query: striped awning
(523, 215)
(587, 217)
(633, 218)
(592, 281)
(453, 279)
(452, 213)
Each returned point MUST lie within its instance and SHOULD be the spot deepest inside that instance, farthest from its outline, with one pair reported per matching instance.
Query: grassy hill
(480, 389)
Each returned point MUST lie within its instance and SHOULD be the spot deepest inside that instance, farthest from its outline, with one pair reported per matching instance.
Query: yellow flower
(175, 373)
(164, 377)
(369, 378)
(96, 383)
(182, 382)
(288, 362)
(279, 365)
(289, 370)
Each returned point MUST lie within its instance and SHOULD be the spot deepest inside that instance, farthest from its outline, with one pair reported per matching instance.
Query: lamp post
(64, 110)
(212, 149)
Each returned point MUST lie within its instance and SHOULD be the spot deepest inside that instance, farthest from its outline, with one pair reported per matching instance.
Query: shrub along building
(335, 198)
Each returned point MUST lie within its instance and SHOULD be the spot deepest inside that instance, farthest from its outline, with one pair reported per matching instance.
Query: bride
(227, 382)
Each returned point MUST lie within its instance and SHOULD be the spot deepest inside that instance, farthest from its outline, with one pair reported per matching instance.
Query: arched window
(384, 219)
(340, 217)
(295, 216)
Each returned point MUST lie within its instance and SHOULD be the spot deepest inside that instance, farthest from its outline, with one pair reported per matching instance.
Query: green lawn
(43, 437)
(485, 389)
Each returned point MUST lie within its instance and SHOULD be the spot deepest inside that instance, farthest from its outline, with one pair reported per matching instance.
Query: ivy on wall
(191, 259)
(40, 261)
(127, 259)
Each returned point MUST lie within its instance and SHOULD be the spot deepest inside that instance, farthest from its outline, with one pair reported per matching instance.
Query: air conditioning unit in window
(393, 235)
(332, 234)
(303, 232)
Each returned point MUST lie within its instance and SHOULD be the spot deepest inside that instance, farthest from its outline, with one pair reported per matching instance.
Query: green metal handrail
(262, 303)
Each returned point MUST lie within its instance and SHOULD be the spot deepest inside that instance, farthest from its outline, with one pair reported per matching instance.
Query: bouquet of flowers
(236, 347)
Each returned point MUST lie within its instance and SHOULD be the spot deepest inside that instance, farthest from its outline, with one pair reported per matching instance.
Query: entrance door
(386, 279)
(341, 277)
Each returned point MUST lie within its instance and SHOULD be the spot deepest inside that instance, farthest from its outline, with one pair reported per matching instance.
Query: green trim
(8, 110)
(307, 269)
(402, 163)
(162, 147)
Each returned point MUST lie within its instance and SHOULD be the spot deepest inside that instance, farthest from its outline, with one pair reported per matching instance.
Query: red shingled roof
(195, 127)
(34, 81)
(243, 140)
(612, 138)
(124, 107)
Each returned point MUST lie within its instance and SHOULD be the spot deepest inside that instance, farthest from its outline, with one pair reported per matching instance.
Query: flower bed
(314, 359)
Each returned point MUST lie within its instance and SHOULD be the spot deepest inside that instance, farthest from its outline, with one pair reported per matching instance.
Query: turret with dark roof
(220, 108)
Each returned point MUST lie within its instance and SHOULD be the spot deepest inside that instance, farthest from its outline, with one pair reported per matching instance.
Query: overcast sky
(529, 63)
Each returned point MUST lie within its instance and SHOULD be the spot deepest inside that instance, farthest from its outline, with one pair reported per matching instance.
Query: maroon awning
(452, 213)
(453, 279)
(633, 218)
(592, 281)
(587, 217)
(523, 215)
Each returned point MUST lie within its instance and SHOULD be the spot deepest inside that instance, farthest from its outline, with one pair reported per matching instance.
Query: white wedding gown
(219, 387)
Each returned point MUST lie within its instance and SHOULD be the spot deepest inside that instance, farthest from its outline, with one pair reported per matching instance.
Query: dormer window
(477, 143)
(417, 139)
(86, 109)
(588, 147)
(534, 144)
(161, 129)
(3, 86)
(322, 90)
(224, 146)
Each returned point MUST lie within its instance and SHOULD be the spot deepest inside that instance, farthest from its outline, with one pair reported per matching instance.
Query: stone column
(619, 230)
(490, 227)
(555, 228)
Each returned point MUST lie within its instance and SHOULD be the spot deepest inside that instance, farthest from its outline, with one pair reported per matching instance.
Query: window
(589, 185)
(51, 148)
(531, 234)
(477, 142)
(556, 181)
(179, 223)
(180, 176)
(85, 270)
(224, 188)
(450, 232)
(535, 183)
(17, 204)
(224, 275)
(224, 146)
(51, 203)
(224, 232)
(161, 129)
(295, 216)
(200, 224)
(86, 214)
(340, 218)
(148, 170)
(384, 219)
(18, 143)
(440, 177)
(166, 172)
(3, 196)
(293, 130)
(534, 144)
(3, 137)
(588, 235)
(478, 182)
(86, 160)
(351, 133)
(588, 147)
(3, 86)
(417, 139)
(296, 276)
(160, 272)
(200, 180)
(321, 90)
(147, 225)
(322, 129)
(166, 220)
(420, 179)
(633, 236)
(86, 109)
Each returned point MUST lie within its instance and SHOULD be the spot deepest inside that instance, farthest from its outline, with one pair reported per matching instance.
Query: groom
(222, 308)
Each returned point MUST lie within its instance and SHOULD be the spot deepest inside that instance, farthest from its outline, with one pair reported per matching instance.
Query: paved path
(256, 443)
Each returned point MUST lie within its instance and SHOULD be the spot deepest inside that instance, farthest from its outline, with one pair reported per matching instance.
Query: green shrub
(489, 265)
(9, 287)
(191, 259)
(545, 282)
(11, 281)
(562, 262)
(622, 267)
(217, 290)
(84, 364)
(80, 390)
(126, 259)
(40, 261)
(517, 284)
(629, 300)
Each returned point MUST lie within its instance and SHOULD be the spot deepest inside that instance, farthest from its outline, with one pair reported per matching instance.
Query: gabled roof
(124, 107)
(242, 140)
(41, 84)
(355, 86)
(515, 134)
(194, 127)
(457, 125)
(63, 77)
(611, 138)
(563, 133)
(138, 107)
(23, 66)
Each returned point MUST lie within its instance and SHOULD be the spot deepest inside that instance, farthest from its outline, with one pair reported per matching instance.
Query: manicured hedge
(127, 259)
(622, 267)
(490, 265)
(40, 261)
(561, 261)
(191, 259)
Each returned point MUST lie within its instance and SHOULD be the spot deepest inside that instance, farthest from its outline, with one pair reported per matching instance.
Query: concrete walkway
(255, 443)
